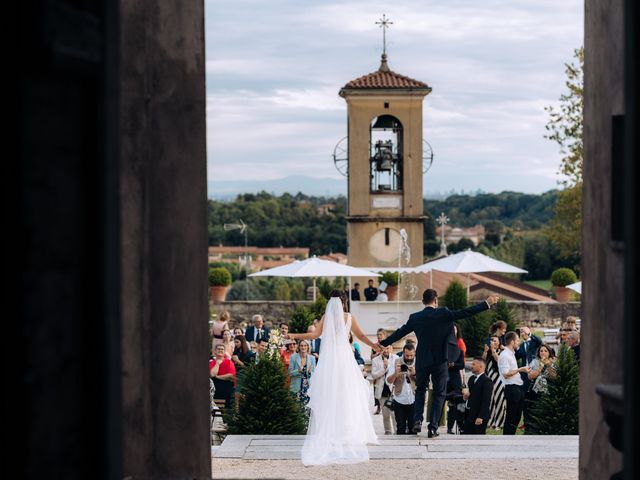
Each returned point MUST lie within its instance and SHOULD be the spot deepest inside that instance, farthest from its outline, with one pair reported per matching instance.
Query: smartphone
(403, 368)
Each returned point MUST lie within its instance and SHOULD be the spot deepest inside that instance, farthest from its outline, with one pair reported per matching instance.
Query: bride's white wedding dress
(340, 398)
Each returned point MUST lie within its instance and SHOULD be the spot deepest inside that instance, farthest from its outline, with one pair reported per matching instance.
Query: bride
(340, 425)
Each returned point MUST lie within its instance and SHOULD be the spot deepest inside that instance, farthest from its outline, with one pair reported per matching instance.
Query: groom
(433, 327)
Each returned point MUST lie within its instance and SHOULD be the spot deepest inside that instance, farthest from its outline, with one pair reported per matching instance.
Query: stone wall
(533, 314)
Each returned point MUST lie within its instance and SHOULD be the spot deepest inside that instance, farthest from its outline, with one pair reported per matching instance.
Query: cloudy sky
(274, 69)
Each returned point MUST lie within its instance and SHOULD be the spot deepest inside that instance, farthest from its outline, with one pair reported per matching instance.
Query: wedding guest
(258, 330)
(355, 293)
(461, 345)
(289, 349)
(401, 378)
(242, 355)
(241, 358)
(227, 341)
(381, 391)
(526, 352)
(498, 402)
(300, 369)
(478, 399)
(253, 346)
(356, 351)
(542, 368)
(261, 349)
(573, 341)
(314, 343)
(284, 330)
(381, 334)
(498, 329)
(371, 292)
(220, 324)
(223, 372)
(379, 365)
(238, 331)
(510, 374)
(455, 415)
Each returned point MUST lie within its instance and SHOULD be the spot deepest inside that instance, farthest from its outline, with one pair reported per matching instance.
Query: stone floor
(405, 457)
(287, 447)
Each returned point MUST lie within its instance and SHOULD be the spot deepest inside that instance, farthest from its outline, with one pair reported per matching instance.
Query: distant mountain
(321, 187)
(318, 187)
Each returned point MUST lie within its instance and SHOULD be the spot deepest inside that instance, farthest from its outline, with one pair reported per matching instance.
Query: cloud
(274, 70)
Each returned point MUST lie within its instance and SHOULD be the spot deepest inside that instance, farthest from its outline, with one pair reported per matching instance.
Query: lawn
(543, 284)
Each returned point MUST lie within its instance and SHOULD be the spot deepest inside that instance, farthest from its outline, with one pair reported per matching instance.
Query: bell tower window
(386, 154)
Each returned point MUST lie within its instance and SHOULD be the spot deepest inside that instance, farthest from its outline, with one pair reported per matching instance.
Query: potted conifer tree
(392, 280)
(219, 283)
(560, 278)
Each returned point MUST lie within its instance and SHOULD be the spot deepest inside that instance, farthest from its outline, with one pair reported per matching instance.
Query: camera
(404, 367)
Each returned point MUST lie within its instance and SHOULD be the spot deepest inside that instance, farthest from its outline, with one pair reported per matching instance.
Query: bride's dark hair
(342, 296)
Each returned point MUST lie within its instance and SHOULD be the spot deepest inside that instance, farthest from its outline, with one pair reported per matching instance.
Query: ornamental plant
(390, 278)
(563, 277)
(219, 277)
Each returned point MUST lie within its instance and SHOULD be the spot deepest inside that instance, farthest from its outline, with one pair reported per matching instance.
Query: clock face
(384, 245)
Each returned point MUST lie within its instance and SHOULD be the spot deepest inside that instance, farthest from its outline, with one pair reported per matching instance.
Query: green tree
(505, 313)
(281, 290)
(565, 121)
(557, 412)
(301, 318)
(565, 128)
(565, 228)
(455, 297)
(267, 406)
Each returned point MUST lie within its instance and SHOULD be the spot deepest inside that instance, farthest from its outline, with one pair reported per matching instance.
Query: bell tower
(384, 166)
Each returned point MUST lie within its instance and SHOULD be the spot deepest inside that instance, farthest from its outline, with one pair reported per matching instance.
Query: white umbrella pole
(468, 285)
(314, 289)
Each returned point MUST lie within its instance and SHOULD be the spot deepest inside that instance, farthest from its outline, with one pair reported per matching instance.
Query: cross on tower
(384, 23)
(442, 220)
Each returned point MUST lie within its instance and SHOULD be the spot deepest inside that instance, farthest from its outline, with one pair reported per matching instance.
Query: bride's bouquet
(275, 341)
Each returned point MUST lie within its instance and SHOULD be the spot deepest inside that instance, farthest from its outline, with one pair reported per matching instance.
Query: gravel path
(400, 469)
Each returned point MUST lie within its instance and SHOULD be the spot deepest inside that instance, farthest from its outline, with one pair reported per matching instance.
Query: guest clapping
(301, 367)
(227, 341)
(223, 373)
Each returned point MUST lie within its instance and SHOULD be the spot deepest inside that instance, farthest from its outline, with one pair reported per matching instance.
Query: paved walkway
(287, 447)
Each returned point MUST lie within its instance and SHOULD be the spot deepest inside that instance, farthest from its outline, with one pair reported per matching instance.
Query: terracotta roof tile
(381, 79)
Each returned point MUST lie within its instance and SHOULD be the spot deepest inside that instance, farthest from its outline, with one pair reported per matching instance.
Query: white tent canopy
(315, 267)
(468, 262)
(576, 287)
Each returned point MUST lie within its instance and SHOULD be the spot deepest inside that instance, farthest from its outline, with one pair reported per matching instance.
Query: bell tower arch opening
(386, 154)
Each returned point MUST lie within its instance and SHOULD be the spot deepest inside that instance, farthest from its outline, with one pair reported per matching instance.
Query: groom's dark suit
(434, 330)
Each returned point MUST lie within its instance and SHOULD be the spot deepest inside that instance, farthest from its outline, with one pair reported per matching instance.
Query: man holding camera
(401, 378)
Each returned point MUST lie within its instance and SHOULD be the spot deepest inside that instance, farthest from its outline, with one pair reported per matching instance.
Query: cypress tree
(557, 412)
(267, 406)
(301, 318)
(505, 313)
(474, 330)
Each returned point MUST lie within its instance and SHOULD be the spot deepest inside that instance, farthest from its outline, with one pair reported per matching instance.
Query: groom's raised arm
(404, 330)
(472, 310)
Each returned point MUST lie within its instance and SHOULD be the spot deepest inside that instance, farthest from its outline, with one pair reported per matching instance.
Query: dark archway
(107, 356)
